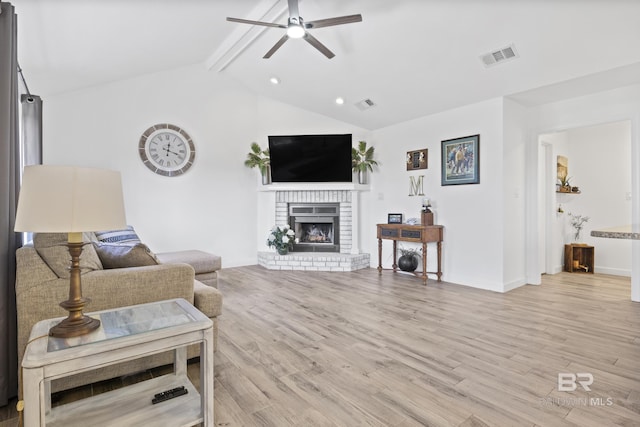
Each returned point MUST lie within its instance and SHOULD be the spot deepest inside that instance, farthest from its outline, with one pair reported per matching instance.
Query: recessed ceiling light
(339, 100)
(274, 80)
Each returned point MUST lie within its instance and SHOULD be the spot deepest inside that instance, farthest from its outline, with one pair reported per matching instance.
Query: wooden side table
(411, 233)
(125, 334)
(579, 258)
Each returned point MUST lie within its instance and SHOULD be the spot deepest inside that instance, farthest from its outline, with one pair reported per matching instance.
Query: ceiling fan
(297, 28)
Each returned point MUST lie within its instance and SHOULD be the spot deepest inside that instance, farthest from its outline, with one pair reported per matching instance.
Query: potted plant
(409, 259)
(565, 185)
(260, 158)
(281, 238)
(362, 161)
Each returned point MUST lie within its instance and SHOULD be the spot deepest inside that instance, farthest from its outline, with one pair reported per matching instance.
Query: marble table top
(622, 232)
(127, 321)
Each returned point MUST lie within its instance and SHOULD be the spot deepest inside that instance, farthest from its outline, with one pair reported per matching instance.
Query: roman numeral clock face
(166, 150)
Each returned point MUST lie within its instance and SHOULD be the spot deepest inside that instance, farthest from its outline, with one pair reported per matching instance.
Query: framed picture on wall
(417, 159)
(461, 160)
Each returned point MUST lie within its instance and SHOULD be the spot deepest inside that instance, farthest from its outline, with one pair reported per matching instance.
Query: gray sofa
(40, 288)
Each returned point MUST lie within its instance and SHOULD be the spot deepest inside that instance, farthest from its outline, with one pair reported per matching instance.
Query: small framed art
(417, 159)
(394, 218)
(461, 160)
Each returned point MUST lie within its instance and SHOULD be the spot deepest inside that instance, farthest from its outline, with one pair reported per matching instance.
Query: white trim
(635, 206)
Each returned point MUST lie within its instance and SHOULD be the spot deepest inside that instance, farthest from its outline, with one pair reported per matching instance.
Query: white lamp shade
(69, 199)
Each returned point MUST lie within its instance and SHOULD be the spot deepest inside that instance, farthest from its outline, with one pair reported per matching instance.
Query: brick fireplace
(325, 221)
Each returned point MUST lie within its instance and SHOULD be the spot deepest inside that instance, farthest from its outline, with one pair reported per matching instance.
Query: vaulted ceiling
(410, 57)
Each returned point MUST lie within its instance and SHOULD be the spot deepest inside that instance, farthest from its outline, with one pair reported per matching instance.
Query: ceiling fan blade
(293, 9)
(276, 46)
(315, 43)
(247, 21)
(333, 21)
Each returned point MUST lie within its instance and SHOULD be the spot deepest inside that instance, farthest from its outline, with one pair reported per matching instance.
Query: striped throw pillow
(126, 236)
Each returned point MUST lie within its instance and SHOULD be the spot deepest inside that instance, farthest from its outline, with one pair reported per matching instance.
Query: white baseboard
(557, 269)
(612, 271)
(514, 284)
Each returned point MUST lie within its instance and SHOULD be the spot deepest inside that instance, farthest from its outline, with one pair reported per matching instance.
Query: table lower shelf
(131, 406)
(416, 273)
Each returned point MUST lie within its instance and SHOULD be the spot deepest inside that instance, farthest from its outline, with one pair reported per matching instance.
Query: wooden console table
(411, 233)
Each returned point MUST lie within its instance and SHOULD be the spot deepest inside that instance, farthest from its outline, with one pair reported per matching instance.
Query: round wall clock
(166, 149)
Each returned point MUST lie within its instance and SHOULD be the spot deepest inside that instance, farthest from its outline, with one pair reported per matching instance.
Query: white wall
(213, 207)
(472, 215)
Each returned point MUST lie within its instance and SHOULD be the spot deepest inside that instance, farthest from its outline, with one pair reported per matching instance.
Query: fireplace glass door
(316, 226)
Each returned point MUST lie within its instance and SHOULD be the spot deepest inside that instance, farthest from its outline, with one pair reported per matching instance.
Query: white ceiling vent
(499, 56)
(365, 104)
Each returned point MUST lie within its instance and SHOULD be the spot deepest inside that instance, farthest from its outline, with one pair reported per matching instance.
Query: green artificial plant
(258, 158)
(362, 158)
(410, 252)
(565, 181)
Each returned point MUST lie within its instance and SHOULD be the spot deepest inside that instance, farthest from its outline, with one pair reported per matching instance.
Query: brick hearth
(313, 261)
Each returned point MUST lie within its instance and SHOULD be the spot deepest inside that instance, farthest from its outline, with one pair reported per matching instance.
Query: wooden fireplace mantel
(314, 186)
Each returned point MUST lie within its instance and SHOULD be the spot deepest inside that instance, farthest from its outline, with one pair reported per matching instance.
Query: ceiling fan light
(295, 31)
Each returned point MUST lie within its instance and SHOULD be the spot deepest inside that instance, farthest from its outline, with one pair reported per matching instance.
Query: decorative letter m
(415, 187)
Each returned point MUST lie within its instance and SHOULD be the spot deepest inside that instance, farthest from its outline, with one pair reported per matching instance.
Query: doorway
(600, 167)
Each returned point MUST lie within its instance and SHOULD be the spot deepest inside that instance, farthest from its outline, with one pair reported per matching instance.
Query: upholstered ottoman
(205, 264)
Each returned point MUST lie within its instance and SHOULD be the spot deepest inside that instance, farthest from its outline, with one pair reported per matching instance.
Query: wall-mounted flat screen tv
(310, 158)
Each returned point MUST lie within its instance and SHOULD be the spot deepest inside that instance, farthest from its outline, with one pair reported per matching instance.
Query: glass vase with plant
(577, 222)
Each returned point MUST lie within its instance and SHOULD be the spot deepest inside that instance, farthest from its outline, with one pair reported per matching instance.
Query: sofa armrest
(207, 299)
(106, 288)
(121, 287)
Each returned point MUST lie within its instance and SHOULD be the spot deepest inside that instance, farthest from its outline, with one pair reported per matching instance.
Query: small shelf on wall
(567, 189)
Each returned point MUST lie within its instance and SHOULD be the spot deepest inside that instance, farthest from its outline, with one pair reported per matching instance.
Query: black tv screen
(310, 158)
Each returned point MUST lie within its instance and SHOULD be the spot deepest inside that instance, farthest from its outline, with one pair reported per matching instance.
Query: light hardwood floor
(363, 349)
(351, 349)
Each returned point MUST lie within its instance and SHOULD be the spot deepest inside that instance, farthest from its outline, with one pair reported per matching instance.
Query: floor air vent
(365, 104)
(498, 56)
